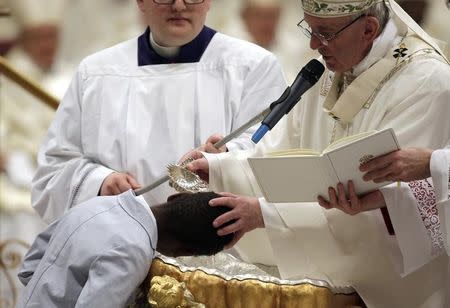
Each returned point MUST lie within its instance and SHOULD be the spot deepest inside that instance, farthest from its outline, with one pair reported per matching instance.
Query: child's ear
(175, 196)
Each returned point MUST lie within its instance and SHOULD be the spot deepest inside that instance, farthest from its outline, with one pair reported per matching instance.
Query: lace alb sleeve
(425, 195)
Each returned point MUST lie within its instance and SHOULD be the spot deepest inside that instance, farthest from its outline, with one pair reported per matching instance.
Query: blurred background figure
(8, 30)
(437, 22)
(221, 12)
(433, 16)
(34, 29)
(417, 9)
(90, 26)
(271, 24)
(24, 118)
(261, 20)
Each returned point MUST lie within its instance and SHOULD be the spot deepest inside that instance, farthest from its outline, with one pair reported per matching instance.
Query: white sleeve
(34, 256)
(271, 216)
(411, 234)
(230, 172)
(263, 85)
(65, 176)
(114, 277)
(440, 173)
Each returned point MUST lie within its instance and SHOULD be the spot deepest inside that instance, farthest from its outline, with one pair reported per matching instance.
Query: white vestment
(440, 173)
(428, 199)
(121, 116)
(422, 244)
(24, 121)
(308, 241)
(94, 256)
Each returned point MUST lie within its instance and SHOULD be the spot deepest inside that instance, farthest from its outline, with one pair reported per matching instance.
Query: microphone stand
(217, 145)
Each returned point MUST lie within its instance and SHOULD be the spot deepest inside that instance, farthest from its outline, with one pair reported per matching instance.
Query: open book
(302, 175)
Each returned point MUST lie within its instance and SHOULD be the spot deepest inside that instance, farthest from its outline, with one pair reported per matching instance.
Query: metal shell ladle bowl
(185, 181)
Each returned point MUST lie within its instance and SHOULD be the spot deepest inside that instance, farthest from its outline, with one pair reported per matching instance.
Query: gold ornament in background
(11, 255)
(167, 292)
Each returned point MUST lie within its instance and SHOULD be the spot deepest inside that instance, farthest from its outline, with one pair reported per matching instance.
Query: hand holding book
(302, 175)
(351, 204)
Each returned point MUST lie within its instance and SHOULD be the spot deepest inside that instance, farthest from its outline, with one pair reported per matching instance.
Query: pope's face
(176, 24)
(347, 49)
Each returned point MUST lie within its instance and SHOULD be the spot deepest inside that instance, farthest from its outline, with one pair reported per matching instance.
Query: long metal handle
(152, 186)
(217, 145)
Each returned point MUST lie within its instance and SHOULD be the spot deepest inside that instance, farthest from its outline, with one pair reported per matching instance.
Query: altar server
(383, 71)
(134, 108)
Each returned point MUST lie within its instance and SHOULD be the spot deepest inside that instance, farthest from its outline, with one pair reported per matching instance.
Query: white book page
(293, 178)
(347, 159)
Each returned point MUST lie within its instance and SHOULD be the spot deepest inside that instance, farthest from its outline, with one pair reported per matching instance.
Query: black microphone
(307, 77)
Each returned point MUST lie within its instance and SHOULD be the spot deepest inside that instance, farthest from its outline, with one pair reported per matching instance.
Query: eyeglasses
(170, 2)
(323, 38)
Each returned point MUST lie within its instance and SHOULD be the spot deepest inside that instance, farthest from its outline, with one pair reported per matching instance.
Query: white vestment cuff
(271, 216)
(90, 187)
(439, 166)
(215, 172)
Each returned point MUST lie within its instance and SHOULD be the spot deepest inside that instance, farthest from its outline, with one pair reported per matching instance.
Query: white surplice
(421, 240)
(420, 244)
(308, 241)
(440, 173)
(121, 116)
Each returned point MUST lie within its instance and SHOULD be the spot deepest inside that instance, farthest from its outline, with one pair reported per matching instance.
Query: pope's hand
(245, 215)
(200, 166)
(208, 147)
(403, 165)
(353, 204)
(117, 183)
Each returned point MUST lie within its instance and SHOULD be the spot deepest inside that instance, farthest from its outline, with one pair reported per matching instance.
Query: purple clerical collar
(189, 53)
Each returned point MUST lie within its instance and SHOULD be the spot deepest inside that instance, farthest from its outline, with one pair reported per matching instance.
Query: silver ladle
(184, 180)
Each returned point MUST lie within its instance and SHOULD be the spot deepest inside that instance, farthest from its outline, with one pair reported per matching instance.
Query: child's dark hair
(191, 222)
